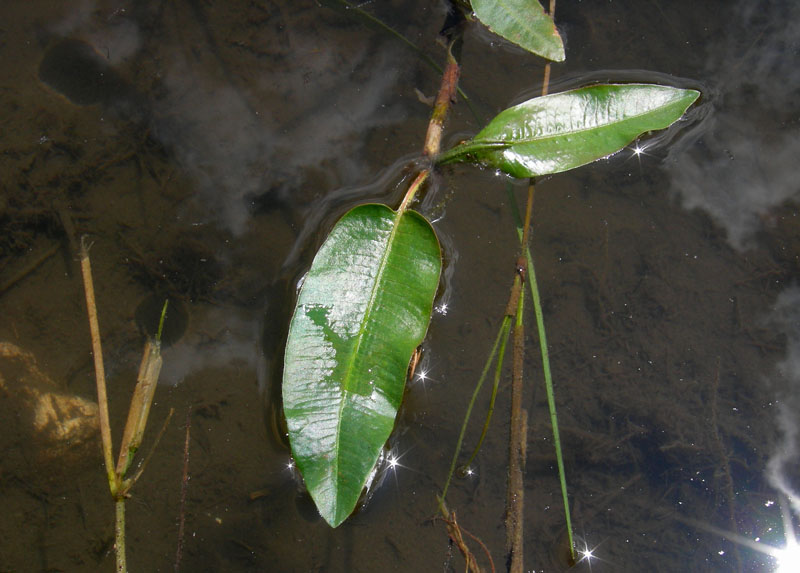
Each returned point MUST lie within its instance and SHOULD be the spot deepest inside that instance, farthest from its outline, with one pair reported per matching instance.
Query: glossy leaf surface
(364, 307)
(523, 22)
(562, 131)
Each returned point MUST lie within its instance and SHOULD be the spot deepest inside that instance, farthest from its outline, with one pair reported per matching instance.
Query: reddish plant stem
(518, 438)
(446, 96)
(515, 501)
(433, 138)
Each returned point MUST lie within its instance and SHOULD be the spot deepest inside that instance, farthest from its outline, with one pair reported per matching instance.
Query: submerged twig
(724, 460)
(127, 484)
(28, 268)
(184, 487)
(456, 533)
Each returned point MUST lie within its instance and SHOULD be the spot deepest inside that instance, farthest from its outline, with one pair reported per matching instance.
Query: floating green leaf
(364, 306)
(562, 131)
(523, 22)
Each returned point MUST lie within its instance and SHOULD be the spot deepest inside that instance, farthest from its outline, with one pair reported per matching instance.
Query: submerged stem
(446, 95)
(515, 500)
(497, 371)
(378, 23)
(502, 333)
(548, 378)
(433, 137)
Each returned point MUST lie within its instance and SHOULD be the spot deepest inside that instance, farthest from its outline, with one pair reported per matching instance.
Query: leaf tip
(559, 53)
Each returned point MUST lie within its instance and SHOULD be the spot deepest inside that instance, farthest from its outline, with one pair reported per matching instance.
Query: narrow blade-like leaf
(364, 306)
(523, 22)
(559, 132)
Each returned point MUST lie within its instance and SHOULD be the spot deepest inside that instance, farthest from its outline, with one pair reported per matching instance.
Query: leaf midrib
(359, 338)
(505, 144)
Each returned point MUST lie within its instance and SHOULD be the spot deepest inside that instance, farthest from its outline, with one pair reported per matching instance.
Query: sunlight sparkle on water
(423, 376)
(639, 150)
(587, 554)
(787, 558)
(393, 460)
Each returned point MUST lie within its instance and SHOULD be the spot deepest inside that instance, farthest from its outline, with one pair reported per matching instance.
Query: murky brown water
(206, 149)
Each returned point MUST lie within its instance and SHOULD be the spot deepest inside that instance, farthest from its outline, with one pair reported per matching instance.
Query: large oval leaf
(364, 306)
(523, 22)
(559, 132)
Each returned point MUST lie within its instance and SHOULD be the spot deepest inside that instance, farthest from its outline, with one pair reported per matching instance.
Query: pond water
(205, 150)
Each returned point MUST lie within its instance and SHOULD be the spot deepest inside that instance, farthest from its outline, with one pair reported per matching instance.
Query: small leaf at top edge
(524, 23)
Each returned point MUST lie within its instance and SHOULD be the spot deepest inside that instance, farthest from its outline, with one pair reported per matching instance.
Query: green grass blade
(548, 379)
(496, 384)
(502, 335)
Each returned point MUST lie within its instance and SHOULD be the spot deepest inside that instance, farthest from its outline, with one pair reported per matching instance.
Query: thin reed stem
(119, 535)
(99, 369)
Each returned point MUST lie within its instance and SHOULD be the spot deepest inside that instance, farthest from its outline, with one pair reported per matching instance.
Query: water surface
(206, 150)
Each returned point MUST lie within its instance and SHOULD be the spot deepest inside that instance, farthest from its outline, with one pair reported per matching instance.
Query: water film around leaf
(558, 132)
(363, 308)
(524, 23)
